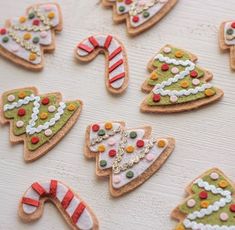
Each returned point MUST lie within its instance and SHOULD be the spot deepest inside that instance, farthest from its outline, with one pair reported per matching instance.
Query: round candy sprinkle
(161, 144)
(130, 149)
(179, 54)
(112, 153)
(209, 92)
(3, 31)
(128, 2)
(135, 19)
(43, 116)
(129, 174)
(108, 125)
(196, 81)
(180, 227)
(51, 109)
(191, 203)
(47, 7)
(101, 148)
(156, 97)
(223, 184)
(36, 22)
(121, 8)
(95, 128)
(203, 195)
(229, 31)
(146, 14)
(19, 124)
(48, 132)
(27, 36)
(11, 98)
(71, 107)
(21, 112)
(22, 19)
(21, 95)
(193, 74)
(232, 207)
(167, 49)
(116, 179)
(149, 157)
(173, 99)
(223, 216)
(31, 15)
(140, 143)
(36, 40)
(184, 84)
(133, 134)
(111, 141)
(5, 39)
(32, 56)
(35, 140)
(51, 15)
(175, 70)
(45, 101)
(233, 25)
(214, 176)
(204, 204)
(103, 163)
(101, 132)
(43, 34)
(165, 67)
(154, 76)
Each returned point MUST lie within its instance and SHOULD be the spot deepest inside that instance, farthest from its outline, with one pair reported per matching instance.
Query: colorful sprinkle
(229, 31)
(193, 74)
(22, 19)
(130, 149)
(161, 143)
(232, 207)
(191, 203)
(5, 39)
(214, 176)
(11, 98)
(111, 141)
(43, 34)
(71, 107)
(36, 40)
(101, 148)
(116, 179)
(167, 49)
(173, 99)
(180, 227)
(112, 153)
(154, 76)
(3, 31)
(140, 143)
(135, 19)
(51, 15)
(133, 134)
(179, 54)
(196, 82)
(146, 14)
(35, 140)
(209, 92)
(233, 25)
(184, 84)
(129, 174)
(156, 97)
(31, 15)
(36, 22)
(19, 124)
(51, 109)
(15, 48)
(101, 133)
(48, 132)
(95, 128)
(223, 184)
(45, 101)
(108, 125)
(204, 204)
(175, 70)
(27, 36)
(121, 8)
(21, 95)
(165, 67)
(21, 112)
(223, 216)
(203, 195)
(43, 116)
(103, 163)
(149, 157)
(32, 56)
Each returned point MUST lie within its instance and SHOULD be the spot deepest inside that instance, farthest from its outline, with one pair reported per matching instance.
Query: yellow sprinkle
(179, 227)
(101, 148)
(32, 56)
(184, 84)
(51, 15)
(179, 54)
(22, 19)
(43, 116)
(209, 92)
(154, 76)
(71, 107)
(108, 125)
(204, 204)
(130, 149)
(27, 36)
(120, 0)
(161, 144)
(223, 184)
(21, 94)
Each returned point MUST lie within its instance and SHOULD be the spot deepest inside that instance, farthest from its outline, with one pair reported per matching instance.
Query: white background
(205, 138)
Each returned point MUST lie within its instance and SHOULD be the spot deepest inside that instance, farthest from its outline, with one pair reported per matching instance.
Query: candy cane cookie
(116, 71)
(74, 210)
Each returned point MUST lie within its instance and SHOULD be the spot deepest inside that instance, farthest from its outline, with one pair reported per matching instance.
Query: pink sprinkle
(116, 179)
(191, 203)
(223, 216)
(149, 157)
(43, 34)
(47, 7)
(214, 176)
(111, 141)
(175, 70)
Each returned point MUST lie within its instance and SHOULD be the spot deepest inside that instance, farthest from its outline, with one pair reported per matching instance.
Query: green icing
(165, 75)
(214, 218)
(12, 114)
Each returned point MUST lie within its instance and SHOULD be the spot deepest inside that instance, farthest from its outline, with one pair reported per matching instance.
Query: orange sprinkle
(204, 204)
(184, 84)
(71, 107)
(101, 148)
(161, 144)
(108, 125)
(21, 95)
(223, 184)
(154, 76)
(179, 54)
(209, 92)
(43, 116)
(130, 149)
(32, 56)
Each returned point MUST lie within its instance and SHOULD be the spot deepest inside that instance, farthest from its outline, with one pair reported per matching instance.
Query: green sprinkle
(5, 39)
(133, 135)
(101, 132)
(229, 31)
(121, 8)
(146, 14)
(36, 40)
(31, 15)
(129, 174)
(103, 163)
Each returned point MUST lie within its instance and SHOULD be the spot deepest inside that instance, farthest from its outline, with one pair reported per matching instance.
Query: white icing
(159, 88)
(113, 46)
(21, 52)
(84, 222)
(190, 222)
(229, 39)
(31, 127)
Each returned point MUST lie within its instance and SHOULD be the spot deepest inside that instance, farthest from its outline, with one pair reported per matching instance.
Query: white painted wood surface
(205, 138)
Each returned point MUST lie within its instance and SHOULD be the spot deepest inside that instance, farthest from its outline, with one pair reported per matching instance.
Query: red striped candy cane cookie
(75, 211)
(116, 76)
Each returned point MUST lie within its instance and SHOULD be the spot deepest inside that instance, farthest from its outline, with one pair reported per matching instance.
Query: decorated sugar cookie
(40, 121)
(210, 204)
(24, 39)
(139, 14)
(116, 70)
(176, 83)
(128, 156)
(227, 40)
(75, 211)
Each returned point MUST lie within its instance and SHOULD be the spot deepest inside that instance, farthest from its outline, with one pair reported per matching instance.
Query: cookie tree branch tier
(75, 211)
(139, 14)
(40, 121)
(128, 156)
(24, 39)
(176, 83)
(210, 204)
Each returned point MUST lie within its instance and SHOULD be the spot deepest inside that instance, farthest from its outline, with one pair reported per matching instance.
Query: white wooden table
(205, 138)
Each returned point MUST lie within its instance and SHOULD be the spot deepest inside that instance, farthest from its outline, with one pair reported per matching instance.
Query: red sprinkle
(203, 195)
(127, 2)
(232, 207)
(135, 18)
(140, 143)
(233, 25)
(112, 153)
(21, 112)
(45, 101)
(165, 67)
(36, 22)
(95, 128)
(34, 140)
(156, 97)
(193, 74)
(3, 31)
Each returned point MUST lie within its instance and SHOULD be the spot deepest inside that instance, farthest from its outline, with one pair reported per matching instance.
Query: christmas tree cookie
(74, 210)
(210, 204)
(25, 39)
(227, 40)
(176, 83)
(128, 156)
(40, 121)
(139, 14)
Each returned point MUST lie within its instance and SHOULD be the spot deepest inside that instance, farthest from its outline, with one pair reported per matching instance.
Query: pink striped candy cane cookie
(116, 76)
(75, 211)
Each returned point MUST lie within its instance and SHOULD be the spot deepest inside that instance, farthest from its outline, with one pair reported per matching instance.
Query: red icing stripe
(108, 41)
(119, 76)
(53, 188)
(67, 199)
(115, 53)
(115, 65)
(93, 41)
(30, 201)
(39, 189)
(85, 47)
(78, 212)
